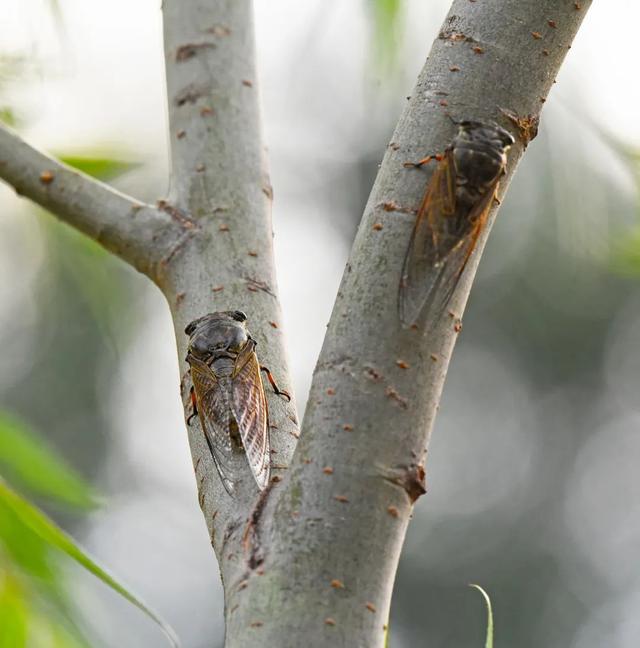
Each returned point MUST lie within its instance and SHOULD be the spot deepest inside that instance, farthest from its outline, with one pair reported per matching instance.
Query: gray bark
(330, 563)
(311, 561)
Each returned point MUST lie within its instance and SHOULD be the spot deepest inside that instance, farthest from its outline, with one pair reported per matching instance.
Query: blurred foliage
(8, 116)
(625, 252)
(32, 584)
(81, 297)
(386, 19)
(104, 167)
(34, 600)
(626, 258)
(487, 601)
(26, 459)
(85, 262)
(11, 68)
(35, 608)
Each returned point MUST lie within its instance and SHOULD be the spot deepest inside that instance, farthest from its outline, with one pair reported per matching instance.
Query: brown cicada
(451, 217)
(229, 397)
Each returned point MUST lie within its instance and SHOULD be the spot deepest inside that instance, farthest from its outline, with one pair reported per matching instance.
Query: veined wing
(443, 238)
(251, 413)
(215, 417)
(420, 273)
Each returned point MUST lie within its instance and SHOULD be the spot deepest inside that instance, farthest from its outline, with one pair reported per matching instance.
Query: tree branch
(219, 177)
(331, 539)
(140, 234)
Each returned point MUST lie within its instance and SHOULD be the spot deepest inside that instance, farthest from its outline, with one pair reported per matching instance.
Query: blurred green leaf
(14, 613)
(85, 262)
(386, 15)
(24, 551)
(101, 280)
(8, 116)
(487, 600)
(60, 638)
(101, 167)
(48, 629)
(626, 254)
(44, 529)
(37, 594)
(26, 458)
(625, 258)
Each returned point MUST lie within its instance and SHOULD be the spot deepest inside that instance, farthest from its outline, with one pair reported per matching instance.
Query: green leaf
(101, 167)
(26, 459)
(487, 600)
(26, 553)
(45, 529)
(29, 561)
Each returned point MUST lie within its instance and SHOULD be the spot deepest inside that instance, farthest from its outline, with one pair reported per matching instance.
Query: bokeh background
(533, 471)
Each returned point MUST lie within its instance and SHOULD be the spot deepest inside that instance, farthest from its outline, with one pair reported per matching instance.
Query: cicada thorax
(452, 214)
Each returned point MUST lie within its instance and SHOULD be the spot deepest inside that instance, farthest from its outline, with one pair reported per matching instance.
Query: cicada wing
(251, 413)
(443, 238)
(457, 258)
(424, 262)
(215, 417)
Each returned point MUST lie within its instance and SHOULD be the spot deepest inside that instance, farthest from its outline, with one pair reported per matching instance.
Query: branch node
(410, 478)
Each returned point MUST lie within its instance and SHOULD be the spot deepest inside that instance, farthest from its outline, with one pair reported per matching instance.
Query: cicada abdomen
(453, 213)
(229, 396)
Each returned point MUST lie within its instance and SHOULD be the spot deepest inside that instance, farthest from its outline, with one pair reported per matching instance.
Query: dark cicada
(228, 395)
(451, 217)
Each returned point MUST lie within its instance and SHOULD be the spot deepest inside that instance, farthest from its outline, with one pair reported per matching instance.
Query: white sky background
(103, 86)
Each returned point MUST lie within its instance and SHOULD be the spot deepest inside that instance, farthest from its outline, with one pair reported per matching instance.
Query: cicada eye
(239, 316)
(507, 138)
(191, 327)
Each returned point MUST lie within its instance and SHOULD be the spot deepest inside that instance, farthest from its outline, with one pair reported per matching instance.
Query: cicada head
(487, 133)
(480, 154)
(215, 332)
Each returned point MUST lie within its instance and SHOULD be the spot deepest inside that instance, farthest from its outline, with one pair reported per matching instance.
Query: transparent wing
(421, 271)
(215, 417)
(251, 413)
(441, 243)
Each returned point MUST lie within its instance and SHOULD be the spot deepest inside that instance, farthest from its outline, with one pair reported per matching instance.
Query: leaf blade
(487, 600)
(26, 456)
(46, 529)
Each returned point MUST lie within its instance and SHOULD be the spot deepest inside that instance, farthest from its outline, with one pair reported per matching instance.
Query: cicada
(228, 396)
(453, 213)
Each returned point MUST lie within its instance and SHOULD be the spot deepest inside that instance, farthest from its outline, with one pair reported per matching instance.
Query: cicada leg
(425, 160)
(194, 405)
(276, 389)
